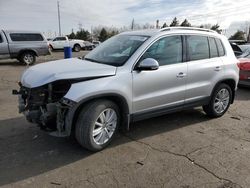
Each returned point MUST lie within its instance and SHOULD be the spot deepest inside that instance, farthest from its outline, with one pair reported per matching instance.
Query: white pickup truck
(61, 42)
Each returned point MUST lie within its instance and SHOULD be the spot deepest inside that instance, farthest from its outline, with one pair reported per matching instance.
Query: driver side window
(166, 51)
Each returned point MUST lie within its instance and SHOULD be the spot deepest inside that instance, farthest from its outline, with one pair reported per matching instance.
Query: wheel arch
(76, 44)
(27, 50)
(231, 83)
(118, 99)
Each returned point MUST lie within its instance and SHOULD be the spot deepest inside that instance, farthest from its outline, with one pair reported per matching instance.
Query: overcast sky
(42, 14)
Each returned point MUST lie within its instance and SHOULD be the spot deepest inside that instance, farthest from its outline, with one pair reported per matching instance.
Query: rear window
(220, 47)
(213, 48)
(26, 37)
(198, 47)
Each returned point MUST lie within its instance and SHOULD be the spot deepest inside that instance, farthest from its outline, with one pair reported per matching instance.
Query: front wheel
(97, 124)
(220, 101)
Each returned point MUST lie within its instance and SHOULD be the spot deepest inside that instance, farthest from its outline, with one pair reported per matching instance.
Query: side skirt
(162, 111)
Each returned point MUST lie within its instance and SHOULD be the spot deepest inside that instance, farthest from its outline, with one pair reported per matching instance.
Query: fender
(231, 83)
(27, 49)
(73, 111)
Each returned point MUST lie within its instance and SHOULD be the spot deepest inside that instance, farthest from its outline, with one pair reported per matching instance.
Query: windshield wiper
(92, 60)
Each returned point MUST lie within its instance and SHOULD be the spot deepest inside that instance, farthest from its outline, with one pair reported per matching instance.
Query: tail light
(239, 65)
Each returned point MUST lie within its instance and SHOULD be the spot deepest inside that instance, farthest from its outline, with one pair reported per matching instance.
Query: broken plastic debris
(35, 137)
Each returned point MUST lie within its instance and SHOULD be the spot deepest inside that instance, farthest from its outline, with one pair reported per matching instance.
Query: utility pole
(133, 23)
(248, 36)
(59, 18)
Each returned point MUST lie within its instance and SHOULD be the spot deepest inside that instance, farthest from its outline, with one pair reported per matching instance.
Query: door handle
(218, 68)
(181, 75)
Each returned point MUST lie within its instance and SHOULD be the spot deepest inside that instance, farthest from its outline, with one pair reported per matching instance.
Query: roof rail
(187, 28)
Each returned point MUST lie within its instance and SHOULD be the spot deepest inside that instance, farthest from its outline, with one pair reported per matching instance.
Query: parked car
(241, 51)
(88, 45)
(22, 45)
(131, 76)
(96, 43)
(244, 66)
(244, 63)
(237, 50)
(60, 42)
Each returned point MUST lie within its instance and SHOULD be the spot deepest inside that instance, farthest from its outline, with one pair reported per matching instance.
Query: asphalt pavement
(185, 149)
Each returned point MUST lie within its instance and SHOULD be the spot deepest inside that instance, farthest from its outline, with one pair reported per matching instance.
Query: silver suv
(132, 76)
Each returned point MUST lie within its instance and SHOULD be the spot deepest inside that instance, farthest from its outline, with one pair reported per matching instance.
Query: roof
(20, 31)
(188, 30)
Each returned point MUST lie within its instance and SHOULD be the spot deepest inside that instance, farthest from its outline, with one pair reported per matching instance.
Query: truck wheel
(28, 58)
(97, 124)
(220, 101)
(77, 48)
(51, 48)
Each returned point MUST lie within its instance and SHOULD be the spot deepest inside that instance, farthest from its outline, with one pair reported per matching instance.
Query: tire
(51, 48)
(90, 118)
(220, 101)
(28, 58)
(77, 48)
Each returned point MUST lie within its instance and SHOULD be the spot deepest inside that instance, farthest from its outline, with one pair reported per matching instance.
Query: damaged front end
(46, 106)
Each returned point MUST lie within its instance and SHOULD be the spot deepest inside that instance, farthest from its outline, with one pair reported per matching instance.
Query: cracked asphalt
(183, 150)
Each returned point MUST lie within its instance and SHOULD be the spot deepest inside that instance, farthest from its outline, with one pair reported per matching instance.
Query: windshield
(117, 50)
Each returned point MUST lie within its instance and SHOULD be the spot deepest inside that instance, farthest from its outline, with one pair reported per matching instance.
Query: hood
(73, 68)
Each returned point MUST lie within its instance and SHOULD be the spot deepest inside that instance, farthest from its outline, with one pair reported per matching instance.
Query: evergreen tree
(103, 35)
(185, 23)
(164, 25)
(72, 35)
(216, 27)
(239, 35)
(175, 22)
(83, 34)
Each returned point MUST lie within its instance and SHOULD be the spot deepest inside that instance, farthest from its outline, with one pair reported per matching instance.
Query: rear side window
(26, 37)
(198, 47)
(213, 48)
(220, 47)
(166, 51)
(59, 39)
(1, 40)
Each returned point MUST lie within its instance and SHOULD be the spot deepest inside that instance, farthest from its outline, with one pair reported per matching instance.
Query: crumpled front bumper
(41, 113)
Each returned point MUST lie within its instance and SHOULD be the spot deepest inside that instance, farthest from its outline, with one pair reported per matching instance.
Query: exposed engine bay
(44, 105)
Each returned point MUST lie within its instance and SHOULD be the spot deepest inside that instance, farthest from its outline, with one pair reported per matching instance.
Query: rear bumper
(244, 82)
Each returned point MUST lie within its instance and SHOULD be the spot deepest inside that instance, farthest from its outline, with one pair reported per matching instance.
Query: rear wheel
(97, 124)
(220, 101)
(28, 58)
(77, 48)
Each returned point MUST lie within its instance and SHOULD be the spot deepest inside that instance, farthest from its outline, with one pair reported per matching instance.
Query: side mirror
(148, 64)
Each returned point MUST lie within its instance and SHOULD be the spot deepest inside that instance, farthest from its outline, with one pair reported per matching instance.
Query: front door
(165, 87)
(4, 50)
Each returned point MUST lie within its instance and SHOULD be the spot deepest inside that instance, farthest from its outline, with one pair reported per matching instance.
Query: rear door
(205, 67)
(163, 88)
(59, 42)
(4, 48)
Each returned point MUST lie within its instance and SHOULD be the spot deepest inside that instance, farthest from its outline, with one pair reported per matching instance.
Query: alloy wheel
(105, 126)
(221, 101)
